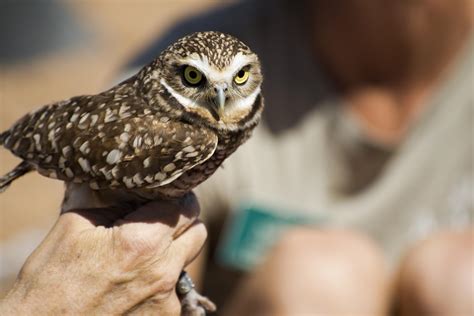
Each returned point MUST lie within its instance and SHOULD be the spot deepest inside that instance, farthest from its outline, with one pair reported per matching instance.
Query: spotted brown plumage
(152, 133)
(85, 144)
(156, 135)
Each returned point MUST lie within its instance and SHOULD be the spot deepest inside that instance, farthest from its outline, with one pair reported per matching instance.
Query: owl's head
(214, 78)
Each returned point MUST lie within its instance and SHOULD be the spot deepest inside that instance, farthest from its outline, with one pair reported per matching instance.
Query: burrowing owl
(156, 135)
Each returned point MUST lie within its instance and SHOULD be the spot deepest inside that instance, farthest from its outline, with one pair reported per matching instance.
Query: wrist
(21, 301)
(15, 302)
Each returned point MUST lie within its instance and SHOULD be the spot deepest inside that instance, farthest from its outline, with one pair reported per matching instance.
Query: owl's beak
(220, 97)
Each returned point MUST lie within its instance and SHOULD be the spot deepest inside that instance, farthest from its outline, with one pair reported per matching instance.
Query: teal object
(251, 233)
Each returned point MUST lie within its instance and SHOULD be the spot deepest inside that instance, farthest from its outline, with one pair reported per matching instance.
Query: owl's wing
(109, 145)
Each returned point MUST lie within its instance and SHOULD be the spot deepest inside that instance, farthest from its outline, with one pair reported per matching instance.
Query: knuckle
(200, 233)
(67, 221)
(132, 248)
(166, 284)
(175, 307)
(132, 242)
(172, 305)
(158, 304)
(25, 272)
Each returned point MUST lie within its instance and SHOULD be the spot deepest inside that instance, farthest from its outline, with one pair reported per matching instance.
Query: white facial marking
(213, 74)
(184, 101)
(243, 103)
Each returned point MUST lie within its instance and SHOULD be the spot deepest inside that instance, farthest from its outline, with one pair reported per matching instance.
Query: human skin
(337, 272)
(387, 57)
(316, 272)
(106, 262)
(436, 277)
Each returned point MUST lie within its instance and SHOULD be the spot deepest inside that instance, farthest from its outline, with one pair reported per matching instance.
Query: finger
(168, 217)
(168, 269)
(187, 247)
(170, 210)
(177, 213)
(81, 219)
(158, 304)
(78, 220)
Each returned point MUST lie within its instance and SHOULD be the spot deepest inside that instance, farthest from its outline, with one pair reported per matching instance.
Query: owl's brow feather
(237, 93)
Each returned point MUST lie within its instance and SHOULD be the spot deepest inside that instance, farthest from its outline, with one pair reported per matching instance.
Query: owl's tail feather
(19, 171)
(3, 136)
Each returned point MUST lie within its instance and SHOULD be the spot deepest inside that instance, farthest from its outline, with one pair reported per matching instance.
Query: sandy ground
(120, 28)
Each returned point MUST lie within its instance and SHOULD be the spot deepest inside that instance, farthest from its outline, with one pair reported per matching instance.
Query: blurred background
(51, 50)
(368, 125)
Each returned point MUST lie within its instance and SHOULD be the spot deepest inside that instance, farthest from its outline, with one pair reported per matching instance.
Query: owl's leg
(192, 303)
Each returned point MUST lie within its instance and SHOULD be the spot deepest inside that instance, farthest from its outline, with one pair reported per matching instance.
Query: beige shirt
(424, 184)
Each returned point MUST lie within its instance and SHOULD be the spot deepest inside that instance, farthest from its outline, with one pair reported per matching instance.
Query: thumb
(171, 216)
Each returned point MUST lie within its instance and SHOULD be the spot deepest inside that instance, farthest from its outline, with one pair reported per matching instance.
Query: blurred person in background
(368, 137)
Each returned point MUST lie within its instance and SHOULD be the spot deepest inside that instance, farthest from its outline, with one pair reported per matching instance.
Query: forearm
(19, 302)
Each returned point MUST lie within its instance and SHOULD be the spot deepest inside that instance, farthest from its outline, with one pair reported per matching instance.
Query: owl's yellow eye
(242, 76)
(192, 75)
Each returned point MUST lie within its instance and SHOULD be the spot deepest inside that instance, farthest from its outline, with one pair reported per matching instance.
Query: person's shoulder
(301, 139)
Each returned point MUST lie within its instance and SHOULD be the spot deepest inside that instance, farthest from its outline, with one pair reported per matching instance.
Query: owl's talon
(192, 303)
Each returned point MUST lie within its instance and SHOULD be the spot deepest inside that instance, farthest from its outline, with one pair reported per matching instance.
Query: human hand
(104, 262)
